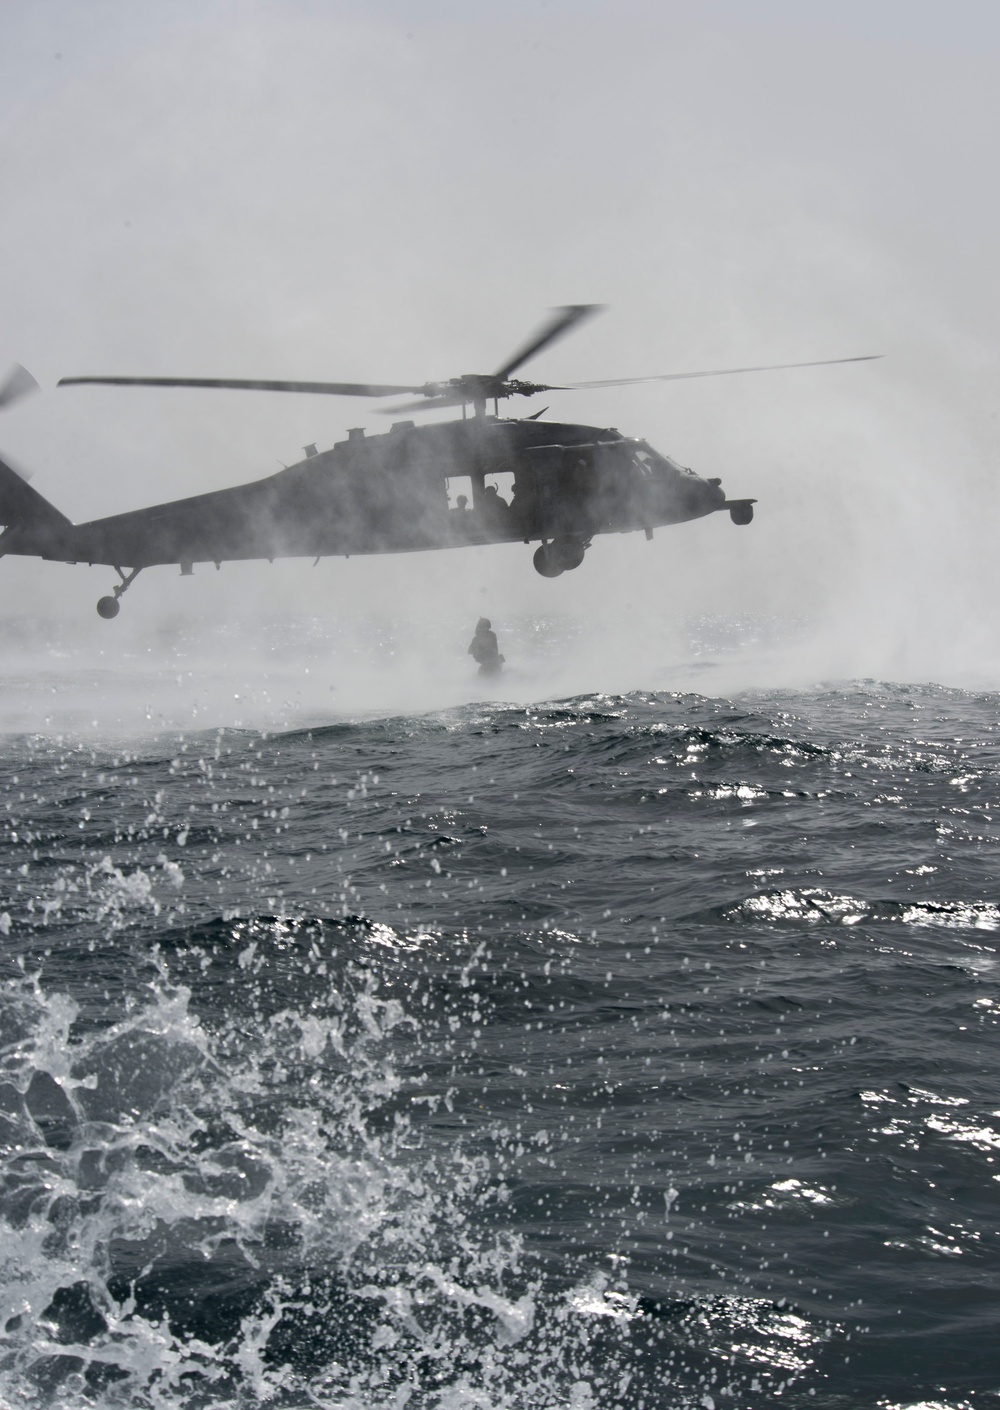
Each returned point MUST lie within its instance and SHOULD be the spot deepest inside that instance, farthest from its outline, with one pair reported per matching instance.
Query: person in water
(485, 649)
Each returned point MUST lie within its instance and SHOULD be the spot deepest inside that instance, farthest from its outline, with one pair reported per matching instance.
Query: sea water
(629, 1050)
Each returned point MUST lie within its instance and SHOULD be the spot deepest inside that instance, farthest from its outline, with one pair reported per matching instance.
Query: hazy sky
(400, 190)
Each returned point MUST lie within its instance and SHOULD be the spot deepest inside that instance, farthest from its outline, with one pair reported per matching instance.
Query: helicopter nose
(716, 492)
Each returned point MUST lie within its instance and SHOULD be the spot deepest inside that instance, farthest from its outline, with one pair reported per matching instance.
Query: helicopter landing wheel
(568, 553)
(109, 607)
(741, 512)
(547, 561)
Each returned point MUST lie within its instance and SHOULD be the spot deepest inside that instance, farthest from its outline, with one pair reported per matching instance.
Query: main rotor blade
(723, 372)
(427, 404)
(334, 389)
(18, 384)
(562, 321)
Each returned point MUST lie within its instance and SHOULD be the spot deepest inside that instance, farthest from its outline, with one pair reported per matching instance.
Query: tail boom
(32, 526)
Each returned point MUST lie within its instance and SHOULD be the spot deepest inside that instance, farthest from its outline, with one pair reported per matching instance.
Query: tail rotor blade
(24, 475)
(19, 384)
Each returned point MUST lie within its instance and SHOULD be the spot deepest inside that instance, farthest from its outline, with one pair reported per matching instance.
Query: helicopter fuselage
(452, 484)
(447, 485)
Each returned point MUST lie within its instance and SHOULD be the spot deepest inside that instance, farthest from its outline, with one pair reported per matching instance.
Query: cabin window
(503, 482)
(459, 486)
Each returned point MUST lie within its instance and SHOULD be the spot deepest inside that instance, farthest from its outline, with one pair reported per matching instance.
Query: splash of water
(200, 1214)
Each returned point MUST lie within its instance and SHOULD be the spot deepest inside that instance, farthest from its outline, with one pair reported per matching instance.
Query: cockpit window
(650, 460)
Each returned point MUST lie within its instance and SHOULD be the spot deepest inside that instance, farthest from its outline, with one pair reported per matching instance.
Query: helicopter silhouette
(396, 492)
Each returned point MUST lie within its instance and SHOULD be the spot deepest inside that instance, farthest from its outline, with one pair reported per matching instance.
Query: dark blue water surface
(617, 1051)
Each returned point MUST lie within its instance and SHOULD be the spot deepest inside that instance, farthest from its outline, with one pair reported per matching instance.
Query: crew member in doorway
(494, 512)
(484, 649)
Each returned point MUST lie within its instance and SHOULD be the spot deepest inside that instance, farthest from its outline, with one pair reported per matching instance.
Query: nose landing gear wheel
(108, 607)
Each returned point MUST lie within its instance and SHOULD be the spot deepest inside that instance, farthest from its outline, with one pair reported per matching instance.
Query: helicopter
(525, 480)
